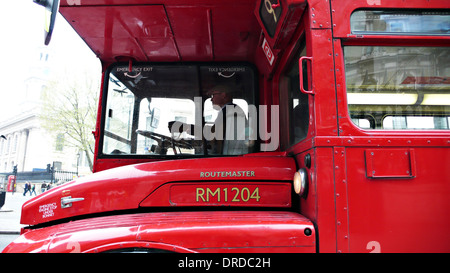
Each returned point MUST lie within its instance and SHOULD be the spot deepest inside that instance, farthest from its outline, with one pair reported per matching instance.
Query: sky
(21, 35)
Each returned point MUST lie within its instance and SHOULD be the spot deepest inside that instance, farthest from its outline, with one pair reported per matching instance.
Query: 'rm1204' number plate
(221, 194)
(232, 194)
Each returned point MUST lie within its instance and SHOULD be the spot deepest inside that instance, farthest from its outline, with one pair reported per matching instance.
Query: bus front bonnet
(124, 188)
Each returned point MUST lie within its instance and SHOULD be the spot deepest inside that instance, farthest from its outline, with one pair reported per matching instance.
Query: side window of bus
(398, 87)
(296, 102)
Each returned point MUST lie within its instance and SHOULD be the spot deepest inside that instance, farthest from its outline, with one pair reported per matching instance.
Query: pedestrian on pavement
(43, 187)
(33, 189)
(27, 188)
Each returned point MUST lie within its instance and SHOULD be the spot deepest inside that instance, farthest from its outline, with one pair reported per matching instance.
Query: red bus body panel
(165, 31)
(400, 213)
(370, 190)
(203, 231)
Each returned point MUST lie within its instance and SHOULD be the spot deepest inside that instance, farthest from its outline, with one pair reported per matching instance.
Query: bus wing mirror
(305, 74)
(51, 9)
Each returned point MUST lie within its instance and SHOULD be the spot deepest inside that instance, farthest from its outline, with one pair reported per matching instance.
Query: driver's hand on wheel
(178, 126)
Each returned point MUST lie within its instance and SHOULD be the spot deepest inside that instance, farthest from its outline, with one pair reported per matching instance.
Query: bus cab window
(142, 107)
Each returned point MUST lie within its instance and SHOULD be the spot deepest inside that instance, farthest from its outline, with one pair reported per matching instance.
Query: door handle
(308, 73)
(66, 202)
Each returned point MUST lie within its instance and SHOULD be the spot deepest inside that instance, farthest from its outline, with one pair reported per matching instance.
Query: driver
(227, 134)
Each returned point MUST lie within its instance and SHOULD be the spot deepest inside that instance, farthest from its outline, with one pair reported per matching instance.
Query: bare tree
(69, 107)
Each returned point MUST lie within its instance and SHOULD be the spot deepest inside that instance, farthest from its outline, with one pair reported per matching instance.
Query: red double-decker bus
(259, 126)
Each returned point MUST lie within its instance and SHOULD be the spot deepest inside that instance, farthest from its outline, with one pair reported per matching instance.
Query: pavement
(11, 211)
(10, 217)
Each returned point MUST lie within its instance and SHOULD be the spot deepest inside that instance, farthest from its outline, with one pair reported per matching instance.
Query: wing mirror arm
(51, 9)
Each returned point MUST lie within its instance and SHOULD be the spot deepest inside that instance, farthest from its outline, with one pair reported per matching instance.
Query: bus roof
(172, 30)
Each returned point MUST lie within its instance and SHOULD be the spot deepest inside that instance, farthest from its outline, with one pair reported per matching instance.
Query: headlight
(300, 181)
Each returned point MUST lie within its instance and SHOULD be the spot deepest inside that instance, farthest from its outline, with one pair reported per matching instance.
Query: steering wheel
(162, 140)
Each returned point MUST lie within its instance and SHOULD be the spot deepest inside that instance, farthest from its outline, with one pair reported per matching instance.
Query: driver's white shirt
(236, 130)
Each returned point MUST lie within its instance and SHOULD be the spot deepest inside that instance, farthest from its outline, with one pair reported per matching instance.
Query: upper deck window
(144, 105)
(400, 22)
